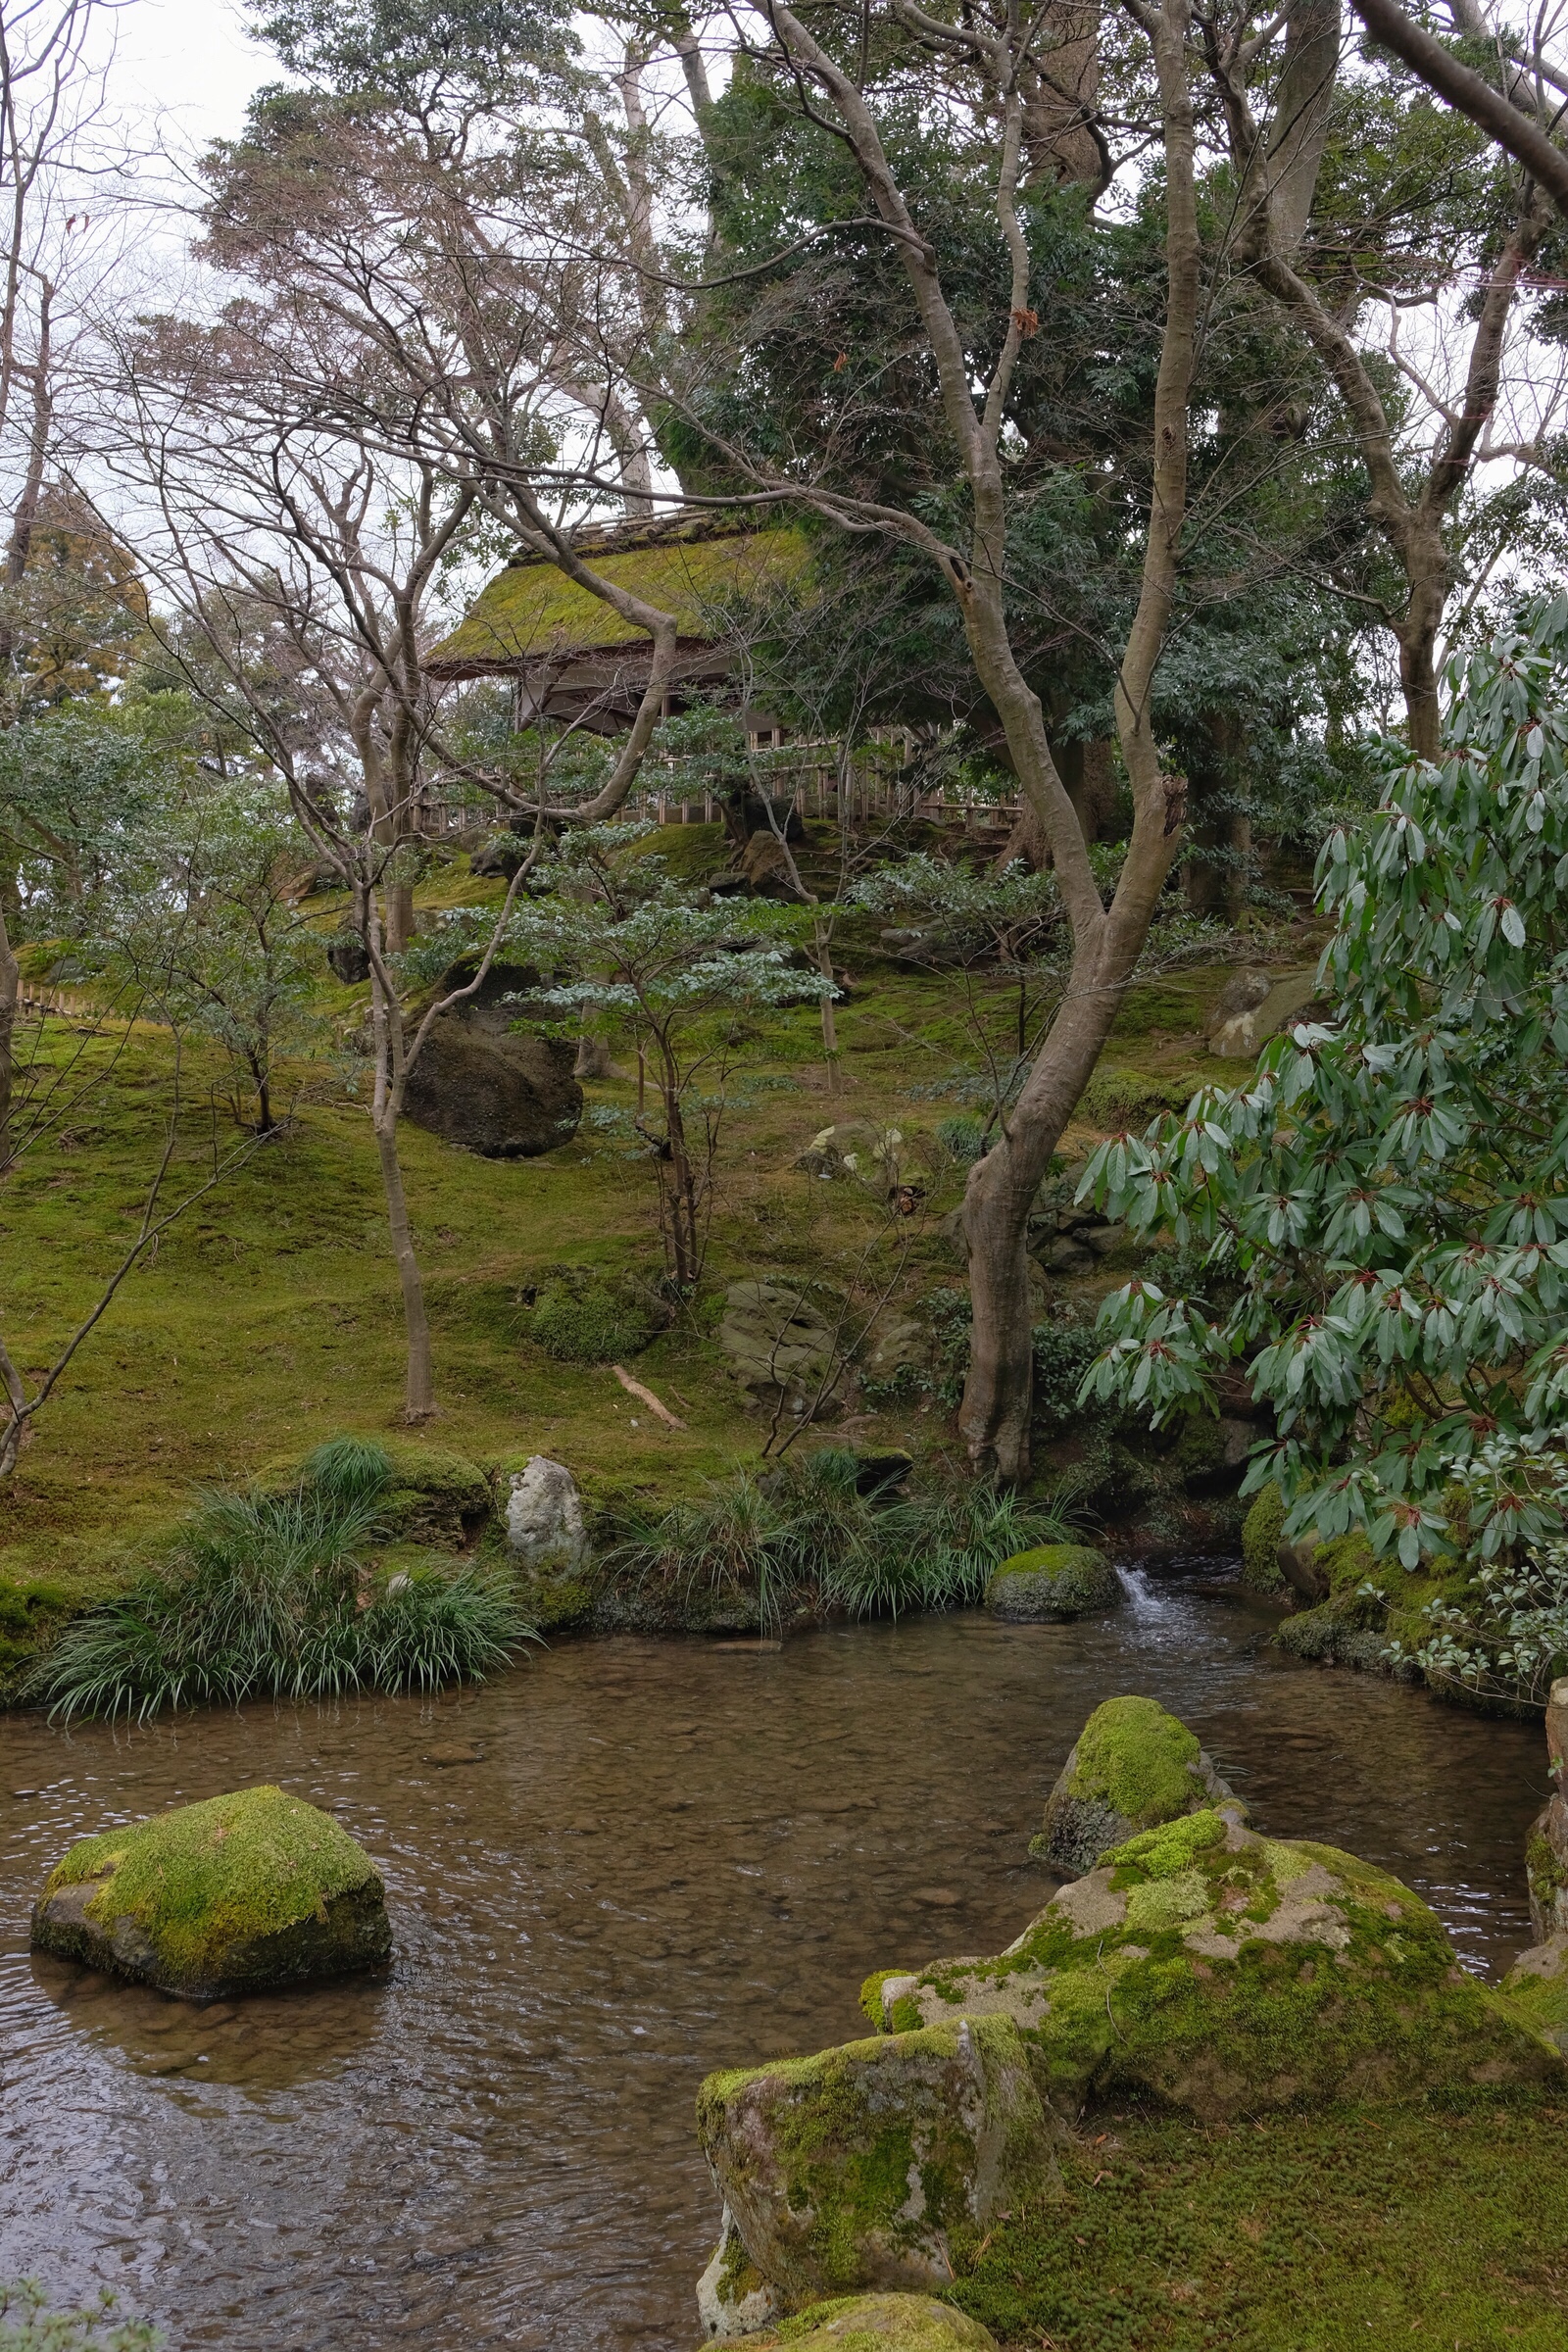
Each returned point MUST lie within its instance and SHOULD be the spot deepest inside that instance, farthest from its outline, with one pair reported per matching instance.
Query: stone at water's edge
(733, 2298)
(880, 2324)
(1053, 1580)
(1134, 1766)
(237, 1895)
(1537, 1981)
(1224, 1973)
(545, 1524)
(871, 2165)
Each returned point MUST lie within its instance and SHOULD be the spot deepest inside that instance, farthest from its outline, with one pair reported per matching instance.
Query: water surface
(665, 1857)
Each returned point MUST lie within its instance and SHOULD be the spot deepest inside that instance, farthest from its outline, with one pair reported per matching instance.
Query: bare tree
(1277, 156)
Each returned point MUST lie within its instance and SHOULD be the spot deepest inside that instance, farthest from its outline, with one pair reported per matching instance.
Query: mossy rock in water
(1261, 1532)
(880, 2324)
(1052, 1581)
(1134, 1766)
(871, 2165)
(233, 1896)
(1226, 1973)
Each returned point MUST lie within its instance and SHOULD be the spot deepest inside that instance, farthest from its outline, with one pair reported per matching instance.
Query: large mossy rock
(237, 1895)
(1134, 1766)
(502, 1096)
(1262, 1532)
(1226, 1973)
(879, 2323)
(1051, 1583)
(871, 2165)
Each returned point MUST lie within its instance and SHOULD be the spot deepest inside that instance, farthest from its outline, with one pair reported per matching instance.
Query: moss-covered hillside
(268, 1318)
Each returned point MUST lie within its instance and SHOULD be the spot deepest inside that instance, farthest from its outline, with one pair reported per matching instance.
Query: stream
(623, 1864)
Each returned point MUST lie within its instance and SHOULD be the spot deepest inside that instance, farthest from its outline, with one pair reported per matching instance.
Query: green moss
(1262, 1531)
(209, 1884)
(1348, 1562)
(1292, 2233)
(881, 2324)
(532, 608)
(1053, 1580)
(1545, 1869)
(1139, 1759)
(1166, 1852)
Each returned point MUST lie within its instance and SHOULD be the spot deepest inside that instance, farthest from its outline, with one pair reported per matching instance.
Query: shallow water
(668, 1856)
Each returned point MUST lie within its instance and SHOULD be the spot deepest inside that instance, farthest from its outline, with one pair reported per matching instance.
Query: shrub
(586, 1323)
(267, 1596)
(965, 1137)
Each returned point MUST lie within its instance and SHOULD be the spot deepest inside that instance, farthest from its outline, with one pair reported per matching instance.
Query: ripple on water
(618, 1867)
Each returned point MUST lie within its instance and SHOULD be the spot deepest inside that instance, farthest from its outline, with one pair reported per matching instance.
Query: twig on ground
(634, 1388)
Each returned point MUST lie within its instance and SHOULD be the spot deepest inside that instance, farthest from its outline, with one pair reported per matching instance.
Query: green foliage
(965, 1135)
(1507, 1637)
(805, 1536)
(29, 2325)
(267, 1596)
(1391, 1190)
(586, 1323)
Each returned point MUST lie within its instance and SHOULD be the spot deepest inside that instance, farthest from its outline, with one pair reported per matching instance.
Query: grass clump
(29, 2325)
(270, 1595)
(806, 1538)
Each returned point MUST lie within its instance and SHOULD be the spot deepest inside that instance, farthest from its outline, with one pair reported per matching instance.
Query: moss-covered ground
(268, 1318)
(1379, 2227)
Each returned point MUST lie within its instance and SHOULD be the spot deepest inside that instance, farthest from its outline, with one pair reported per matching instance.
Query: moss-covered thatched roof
(699, 568)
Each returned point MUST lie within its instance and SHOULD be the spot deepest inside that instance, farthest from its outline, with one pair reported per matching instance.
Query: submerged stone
(1053, 1580)
(1134, 1766)
(237, 1895)
(1225, 1973)
(866, 2165)
(880, 2324)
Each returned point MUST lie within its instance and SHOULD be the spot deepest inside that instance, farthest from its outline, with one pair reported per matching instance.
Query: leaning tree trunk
(10, 992)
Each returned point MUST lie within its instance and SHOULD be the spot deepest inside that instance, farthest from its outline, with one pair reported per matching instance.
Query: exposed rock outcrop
(1053, 1580)
(236, 1895)
(1255, 1007)
(1134, 1766)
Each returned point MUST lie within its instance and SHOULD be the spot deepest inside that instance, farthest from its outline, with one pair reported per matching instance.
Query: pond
(617, 1867)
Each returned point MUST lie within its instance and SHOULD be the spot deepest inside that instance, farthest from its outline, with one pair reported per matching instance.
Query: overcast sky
(189, 58)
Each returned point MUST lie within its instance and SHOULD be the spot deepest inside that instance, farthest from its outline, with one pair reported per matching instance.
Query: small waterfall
(1143, 1599)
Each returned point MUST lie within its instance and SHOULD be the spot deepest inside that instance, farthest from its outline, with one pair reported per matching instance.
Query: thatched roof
(533, 623)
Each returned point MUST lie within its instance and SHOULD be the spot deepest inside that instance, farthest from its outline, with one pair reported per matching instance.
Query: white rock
(723, 2313)
(545, 1525)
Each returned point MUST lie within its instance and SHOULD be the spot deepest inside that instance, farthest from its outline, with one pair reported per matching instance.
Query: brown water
(671, 1856)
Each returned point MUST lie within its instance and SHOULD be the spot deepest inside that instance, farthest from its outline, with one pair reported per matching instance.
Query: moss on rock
(1261, 1532)
(1052, 1581)
(1227, 1973)
(1134, 1766)
(437, 1497)
(880, 2324)
(243, 1891)
(869, 2165)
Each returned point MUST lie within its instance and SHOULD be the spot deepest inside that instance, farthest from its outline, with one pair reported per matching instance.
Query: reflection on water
(622, 1865)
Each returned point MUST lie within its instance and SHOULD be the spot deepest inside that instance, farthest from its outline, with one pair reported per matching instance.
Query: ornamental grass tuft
(271, 1595)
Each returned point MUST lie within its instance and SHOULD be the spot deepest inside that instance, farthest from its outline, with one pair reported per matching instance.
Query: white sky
(189, 60)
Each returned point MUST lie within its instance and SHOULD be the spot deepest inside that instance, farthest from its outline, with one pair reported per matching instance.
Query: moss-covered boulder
(1134, 1766)
(879, 2323)
(1052, 1581)
(436, 1497)
(1226, 1973)
(233, 1896)
(1537, 1988)
(1262, 1531)
(873, 2165)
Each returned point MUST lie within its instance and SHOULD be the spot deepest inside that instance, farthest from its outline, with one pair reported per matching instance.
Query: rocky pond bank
(1193, 1976)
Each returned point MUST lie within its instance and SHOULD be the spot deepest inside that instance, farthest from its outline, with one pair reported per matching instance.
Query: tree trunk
(418, 1401)
(10, 989)
(400, 926)
(1219, 825)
